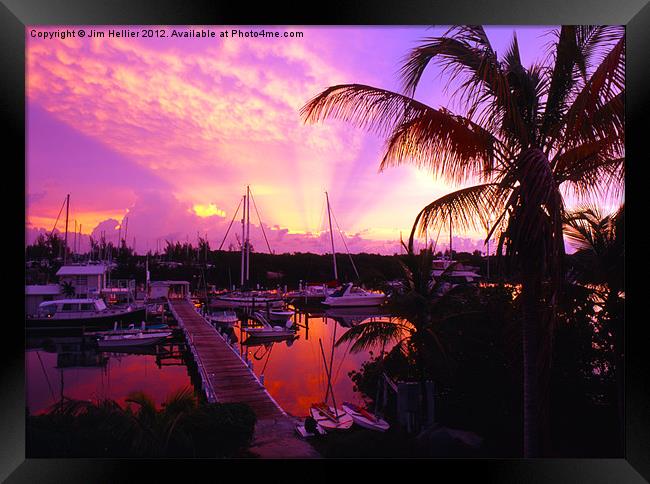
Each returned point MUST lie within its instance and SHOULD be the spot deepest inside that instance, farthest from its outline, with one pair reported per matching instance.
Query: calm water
(293, 372)
(61, 365)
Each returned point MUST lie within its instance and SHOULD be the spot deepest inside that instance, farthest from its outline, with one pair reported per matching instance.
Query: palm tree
(67, 288)
(527, 136)
(599, 263)
(415, 332)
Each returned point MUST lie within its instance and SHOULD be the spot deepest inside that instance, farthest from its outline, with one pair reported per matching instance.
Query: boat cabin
(70, 307)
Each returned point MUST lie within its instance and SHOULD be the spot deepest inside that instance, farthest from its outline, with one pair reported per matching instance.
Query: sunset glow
(172, 131)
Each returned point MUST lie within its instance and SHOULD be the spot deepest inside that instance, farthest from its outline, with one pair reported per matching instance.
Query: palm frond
(484, 88)
(374, 333)
(452, 147)
(367, 107)
(605, 84)
(469, 208)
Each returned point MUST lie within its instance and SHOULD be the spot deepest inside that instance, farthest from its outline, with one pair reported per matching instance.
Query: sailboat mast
(67, 211)
(329, 216)
(248, 233)
(243, 238)
(450, 257)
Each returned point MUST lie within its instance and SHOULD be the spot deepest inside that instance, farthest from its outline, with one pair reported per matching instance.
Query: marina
(460, 292)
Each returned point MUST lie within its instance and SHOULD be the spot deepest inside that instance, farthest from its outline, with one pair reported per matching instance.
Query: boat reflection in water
(292, 369)
(72, 366)
(351, 316)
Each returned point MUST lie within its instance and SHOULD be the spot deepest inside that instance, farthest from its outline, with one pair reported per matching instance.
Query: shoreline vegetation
(183, 426)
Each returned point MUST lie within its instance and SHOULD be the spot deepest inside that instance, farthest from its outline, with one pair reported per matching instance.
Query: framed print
(381, 235)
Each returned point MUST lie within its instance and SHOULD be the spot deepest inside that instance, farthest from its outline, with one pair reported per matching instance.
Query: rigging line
(268, 355)
(260, 221)
(233, 219)
(347, 350)
(38, 353)
(346, 245)
(57, 218)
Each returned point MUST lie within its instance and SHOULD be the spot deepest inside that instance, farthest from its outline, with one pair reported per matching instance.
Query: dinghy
(365, 419)
(327, 417)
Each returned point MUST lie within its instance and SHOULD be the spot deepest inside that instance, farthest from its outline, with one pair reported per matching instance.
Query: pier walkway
(225, 378)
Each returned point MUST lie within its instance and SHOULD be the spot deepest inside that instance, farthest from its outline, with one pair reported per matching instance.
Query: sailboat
(329, 417)
(245, 297)
(364, 418)
(449, 273)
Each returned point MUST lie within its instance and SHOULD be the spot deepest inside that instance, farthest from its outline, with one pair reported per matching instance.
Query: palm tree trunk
(530, 353)
(616, 321)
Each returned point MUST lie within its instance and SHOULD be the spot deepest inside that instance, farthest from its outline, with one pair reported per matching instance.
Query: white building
(36, 294)
(169, 289)
(88, 280)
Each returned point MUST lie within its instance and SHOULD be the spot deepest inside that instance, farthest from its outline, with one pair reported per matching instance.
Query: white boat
(449, 274)
(365, 419)
(130, 337)
(280, 315)
(330, 419)
(223, 317)
(350, 295)
(265, 329)
(82, 312)
(247, 300)
(311, 294)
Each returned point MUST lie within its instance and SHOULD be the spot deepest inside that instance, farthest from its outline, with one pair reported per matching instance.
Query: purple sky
(168, 132)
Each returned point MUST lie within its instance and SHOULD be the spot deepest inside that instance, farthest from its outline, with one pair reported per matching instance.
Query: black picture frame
(16, 14)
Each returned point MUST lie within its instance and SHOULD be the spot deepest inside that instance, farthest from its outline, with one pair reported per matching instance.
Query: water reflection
(293, 370)
(70, 366)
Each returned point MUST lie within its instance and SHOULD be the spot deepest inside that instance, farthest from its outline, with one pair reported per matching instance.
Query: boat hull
(129, 342)
(362, 421)
(99, 321)
(366, 301)
(344, 421)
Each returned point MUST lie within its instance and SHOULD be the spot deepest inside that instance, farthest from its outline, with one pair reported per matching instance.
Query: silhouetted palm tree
(413, 333)
(525, 132)
(599, 263)
(67, 288)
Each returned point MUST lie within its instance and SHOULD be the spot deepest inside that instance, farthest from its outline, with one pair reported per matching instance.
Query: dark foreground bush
(183, 427)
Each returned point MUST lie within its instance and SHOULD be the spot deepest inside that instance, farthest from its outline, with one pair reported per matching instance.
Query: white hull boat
(223, 317)
(329, 419)
(351, 296)
(280, 315)
(247, 300)
(131, 339)
(365, 419)
(266, 329)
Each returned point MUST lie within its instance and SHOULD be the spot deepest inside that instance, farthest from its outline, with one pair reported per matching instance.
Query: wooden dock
(226, 377)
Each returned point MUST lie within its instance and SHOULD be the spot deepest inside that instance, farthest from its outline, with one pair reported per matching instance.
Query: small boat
(310, 295)
(329, 418)
(350, 295)
(132, 336)
(365, 419)
(266, 329)
(247, 300)
(223, 317)
(280, 315)
(449, 274)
